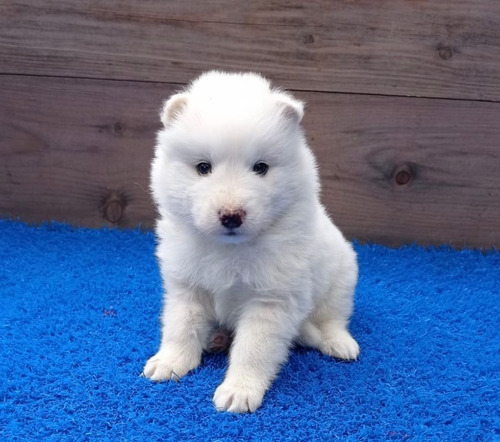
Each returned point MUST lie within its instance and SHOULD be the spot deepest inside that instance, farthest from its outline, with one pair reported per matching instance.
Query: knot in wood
(113, 208)
(403, 175)
(118, 128)
(308, 39)
(445, 52)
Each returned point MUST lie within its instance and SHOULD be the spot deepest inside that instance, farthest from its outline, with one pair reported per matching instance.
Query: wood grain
(68, 146)
(451, 149)
(448, 49)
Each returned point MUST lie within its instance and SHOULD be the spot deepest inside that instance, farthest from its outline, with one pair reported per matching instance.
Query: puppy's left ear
(291, 108)
(173, 107)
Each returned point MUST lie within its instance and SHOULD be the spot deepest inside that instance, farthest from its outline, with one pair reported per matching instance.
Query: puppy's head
(231, 159)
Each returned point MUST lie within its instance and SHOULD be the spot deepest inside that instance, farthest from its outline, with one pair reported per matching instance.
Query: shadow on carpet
(79, 317)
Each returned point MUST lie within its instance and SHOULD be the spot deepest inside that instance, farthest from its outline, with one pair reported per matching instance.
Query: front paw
(171, 364)
(238, 397)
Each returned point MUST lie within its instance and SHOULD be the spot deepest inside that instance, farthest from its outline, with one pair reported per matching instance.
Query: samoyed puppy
(243, 240)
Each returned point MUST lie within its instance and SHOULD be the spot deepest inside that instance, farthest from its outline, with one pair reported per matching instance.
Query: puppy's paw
(171, 364)
(219, 341)
(341, 345)
(236, 397)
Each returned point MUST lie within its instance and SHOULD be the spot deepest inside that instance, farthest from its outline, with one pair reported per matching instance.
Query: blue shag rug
(79, 315)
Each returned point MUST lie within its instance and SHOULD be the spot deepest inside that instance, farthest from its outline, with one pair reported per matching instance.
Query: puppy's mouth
(232, 237)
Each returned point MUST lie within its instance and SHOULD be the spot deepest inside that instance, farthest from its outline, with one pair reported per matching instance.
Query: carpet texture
(79, 317)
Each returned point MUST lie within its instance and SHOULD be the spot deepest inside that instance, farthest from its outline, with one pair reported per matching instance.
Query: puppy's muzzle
(232, 219)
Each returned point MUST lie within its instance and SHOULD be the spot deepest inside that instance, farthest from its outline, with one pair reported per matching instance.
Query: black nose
(232, 220)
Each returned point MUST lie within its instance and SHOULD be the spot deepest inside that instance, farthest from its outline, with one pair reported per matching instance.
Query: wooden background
(403, 105)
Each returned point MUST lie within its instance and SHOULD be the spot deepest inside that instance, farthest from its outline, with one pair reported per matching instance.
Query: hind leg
(331, 338)
(337, 341)
(326, 328)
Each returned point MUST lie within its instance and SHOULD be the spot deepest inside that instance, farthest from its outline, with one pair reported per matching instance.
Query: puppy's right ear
(292, 109)
(173, 107)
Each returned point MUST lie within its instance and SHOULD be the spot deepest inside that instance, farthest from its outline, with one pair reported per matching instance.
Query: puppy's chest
(221, 272)
(229, 303)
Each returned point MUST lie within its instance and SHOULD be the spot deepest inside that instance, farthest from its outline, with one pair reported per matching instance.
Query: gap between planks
(305, 90)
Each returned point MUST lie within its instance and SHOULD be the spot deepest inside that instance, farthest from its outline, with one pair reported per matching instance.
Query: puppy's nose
(232, 219)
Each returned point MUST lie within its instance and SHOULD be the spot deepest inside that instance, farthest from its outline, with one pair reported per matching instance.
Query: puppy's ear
(291, 108)
(173, 107)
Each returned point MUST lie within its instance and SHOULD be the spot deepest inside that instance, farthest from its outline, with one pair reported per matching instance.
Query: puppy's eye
(204, 168)
(260, 168)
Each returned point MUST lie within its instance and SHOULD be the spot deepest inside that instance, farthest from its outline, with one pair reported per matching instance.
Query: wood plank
(68, 144)
(449, 150)
(395, 47)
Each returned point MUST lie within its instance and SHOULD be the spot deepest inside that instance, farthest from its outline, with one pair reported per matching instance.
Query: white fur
(287, 275)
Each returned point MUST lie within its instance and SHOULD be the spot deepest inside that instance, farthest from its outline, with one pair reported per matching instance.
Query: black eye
(260, 168)
(204, 168)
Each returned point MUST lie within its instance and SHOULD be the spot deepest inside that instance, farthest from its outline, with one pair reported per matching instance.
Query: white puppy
(243, 240)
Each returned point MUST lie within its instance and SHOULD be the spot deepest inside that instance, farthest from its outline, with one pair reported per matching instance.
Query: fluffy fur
(285, 274)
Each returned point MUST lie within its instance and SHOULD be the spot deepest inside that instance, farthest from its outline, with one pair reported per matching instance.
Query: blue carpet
(79, 317)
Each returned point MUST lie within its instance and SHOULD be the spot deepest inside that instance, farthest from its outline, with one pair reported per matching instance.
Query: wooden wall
(403, 105)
